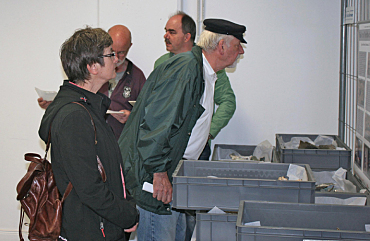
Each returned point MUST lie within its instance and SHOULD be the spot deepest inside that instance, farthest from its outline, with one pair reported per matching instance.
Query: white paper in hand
(148, 187)
(115, 112)
(46, 95)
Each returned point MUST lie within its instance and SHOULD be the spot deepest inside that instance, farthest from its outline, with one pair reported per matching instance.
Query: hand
(162, 188)
(122, 117)
(130, 230)
(43, 103)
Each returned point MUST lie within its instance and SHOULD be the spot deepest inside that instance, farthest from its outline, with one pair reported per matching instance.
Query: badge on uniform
(126, 91)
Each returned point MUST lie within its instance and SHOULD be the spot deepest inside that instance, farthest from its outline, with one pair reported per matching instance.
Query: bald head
(120, 33)
(121, 37)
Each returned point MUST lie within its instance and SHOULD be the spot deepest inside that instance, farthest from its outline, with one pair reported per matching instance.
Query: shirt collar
(207, 69)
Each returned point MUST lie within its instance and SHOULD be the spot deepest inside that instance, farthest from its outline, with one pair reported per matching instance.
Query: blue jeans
(155, 227)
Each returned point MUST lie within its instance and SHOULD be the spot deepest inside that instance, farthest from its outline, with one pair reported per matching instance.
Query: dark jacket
(74, 159)
(224, 98)
(156, 134)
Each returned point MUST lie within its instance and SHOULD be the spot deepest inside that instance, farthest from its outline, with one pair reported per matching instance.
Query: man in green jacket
(171, 115)
(179, 37)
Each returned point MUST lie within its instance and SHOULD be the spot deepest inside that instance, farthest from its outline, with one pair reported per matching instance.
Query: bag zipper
(102, 227)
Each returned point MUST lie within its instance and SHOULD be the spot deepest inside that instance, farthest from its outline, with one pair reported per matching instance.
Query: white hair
(208, 40)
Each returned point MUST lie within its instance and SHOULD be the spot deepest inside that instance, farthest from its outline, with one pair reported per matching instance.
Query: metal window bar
(349, 84)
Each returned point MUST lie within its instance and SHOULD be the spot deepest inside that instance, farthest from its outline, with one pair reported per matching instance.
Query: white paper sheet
(296, 172)
(46, 95)
(255, 223)
(320, 240)
(148, 187)
(216, 210)
(132, 102)
(114, 111)
(367, 227)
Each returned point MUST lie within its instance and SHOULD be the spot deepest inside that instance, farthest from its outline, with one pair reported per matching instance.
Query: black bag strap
(100, 165)
(92, 120)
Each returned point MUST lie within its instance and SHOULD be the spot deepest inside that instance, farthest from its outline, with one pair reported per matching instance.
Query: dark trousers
(190, 214)
(205, 153)
(127, 236)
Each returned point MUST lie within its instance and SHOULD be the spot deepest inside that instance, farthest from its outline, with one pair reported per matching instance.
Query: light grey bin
(216, 227)
(223, 151)
(301, 221)
(195, 188)
(318, 159)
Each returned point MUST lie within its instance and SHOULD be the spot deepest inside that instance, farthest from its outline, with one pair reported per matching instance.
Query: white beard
(120, 62)
(233, 65)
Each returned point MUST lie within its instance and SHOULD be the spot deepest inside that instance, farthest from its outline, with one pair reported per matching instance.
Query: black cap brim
(223, 26)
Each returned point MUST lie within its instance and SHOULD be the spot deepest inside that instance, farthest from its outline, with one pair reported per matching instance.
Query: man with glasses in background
(125, 87)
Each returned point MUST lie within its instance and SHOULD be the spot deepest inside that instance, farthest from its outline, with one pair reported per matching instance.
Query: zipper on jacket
(102, 227)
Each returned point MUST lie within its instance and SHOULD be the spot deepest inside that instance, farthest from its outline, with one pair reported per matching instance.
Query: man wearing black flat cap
(171, 120)
(222, 26)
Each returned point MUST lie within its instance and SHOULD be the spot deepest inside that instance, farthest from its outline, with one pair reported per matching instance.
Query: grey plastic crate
(356, 182)
(216, 227)
(222, 151)
(194, 187)
(301, 221)
(318, 159)
(341, 195)
(345, 195)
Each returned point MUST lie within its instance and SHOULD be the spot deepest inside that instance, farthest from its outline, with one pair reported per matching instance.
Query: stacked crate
(318, 159)
(251, 191)
(202, 185)
(298, 222)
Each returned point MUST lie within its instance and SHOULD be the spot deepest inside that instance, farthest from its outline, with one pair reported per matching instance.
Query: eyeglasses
(121, 53)
(107, 55)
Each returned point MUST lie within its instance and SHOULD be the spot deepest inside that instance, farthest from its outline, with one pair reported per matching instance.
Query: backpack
(40, 198)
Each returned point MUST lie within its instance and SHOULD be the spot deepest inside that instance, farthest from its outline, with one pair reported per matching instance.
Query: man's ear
(221, 47)
(128, 48)
(93, 68)
(187, 37)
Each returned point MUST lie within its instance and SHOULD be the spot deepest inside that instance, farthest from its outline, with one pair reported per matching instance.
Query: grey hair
(208, 40)
(84, 47)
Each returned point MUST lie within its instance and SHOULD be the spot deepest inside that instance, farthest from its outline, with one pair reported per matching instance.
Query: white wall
(287, 81)
(31, 35)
